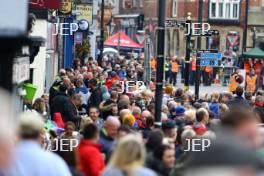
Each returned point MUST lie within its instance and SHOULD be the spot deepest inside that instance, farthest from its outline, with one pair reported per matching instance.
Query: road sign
(209, 62)
(211, 55)
(174, 23)
(78, 37)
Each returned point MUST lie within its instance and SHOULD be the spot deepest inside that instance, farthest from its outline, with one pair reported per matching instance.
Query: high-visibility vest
(207, 69)
(251, 84)
(193, 66)
(233, 83)
(174, 67)
(166, 67)
(247, 67)
(153, 64)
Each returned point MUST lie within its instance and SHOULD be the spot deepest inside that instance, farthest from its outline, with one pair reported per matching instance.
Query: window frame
(224, 16)
(174, 8)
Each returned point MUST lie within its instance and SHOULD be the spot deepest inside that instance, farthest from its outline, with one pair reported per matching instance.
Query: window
(220, 10)
(235, 10)
(174, 8)
(141, 3)
(227, 9)
(213, 9)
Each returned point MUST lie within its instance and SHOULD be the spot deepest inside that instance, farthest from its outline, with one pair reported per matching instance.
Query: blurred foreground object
(6, 130)
(29, 158)
(13, 33)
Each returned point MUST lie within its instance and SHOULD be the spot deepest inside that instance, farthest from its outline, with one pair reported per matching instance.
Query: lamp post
(245, 28)
(254, 37)
(197, 69)
(102, 34)
(187, 53)
(160, 61)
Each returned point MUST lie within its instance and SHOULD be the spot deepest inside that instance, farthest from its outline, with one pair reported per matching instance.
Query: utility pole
(197, 72)
(160, 61)
(245, 28)
(147, 68)
(254, 37)
(102, 34)
(188, 52)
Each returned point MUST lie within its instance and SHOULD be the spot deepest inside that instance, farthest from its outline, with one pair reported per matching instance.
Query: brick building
(227, 16)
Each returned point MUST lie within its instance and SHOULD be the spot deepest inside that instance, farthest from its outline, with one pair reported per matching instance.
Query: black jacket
(62, 104)
(95, 98)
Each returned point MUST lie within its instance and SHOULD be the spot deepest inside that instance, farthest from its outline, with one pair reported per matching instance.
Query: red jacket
(90, 158)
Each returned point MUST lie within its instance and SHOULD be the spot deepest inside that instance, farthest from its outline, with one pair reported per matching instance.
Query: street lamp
(197, 69)
(160, 61)
(101, 35)
(254, 36)
(188, 52)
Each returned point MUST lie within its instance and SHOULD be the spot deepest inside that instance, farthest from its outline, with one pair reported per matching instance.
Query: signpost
(209, 58)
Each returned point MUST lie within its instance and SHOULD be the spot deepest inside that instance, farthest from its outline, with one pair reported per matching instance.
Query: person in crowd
(96, 94)
(238, 100)
(174, 71)
(244, 124)
(30, 159)
(166, 154)
(57, 104)
(128, 158)
(202, 117)
(71, 112)
(169, 129)
(94, 115)
(214, 105)
(89, 152)
(108, 134)
(234, 81)
(40, 106)
(82, 90)
(251, 82)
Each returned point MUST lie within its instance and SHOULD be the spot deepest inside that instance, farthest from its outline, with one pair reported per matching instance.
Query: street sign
(174, 23)
(21, 69)
(209, 62)
(211, 55)
(78, 37)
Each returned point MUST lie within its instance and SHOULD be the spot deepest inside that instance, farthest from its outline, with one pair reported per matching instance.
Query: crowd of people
(92, 123)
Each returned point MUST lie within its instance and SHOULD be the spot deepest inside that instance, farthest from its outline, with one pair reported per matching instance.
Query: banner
(86, 12)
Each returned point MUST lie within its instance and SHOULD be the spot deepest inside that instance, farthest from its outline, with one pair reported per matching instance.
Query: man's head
(111, 126)
(93, 113)
(202, 115)
(239, 91)
(90, 132)
(244, 123)
(93, 83)
(169, 129)
(67, 82)
(77, 99)
(31, 125)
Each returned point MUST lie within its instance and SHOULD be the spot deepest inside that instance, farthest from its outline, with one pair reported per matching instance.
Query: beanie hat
(180, 110)
(129, 120)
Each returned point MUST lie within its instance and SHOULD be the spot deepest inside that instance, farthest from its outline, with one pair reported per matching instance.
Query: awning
(254, 53)
(124, 41)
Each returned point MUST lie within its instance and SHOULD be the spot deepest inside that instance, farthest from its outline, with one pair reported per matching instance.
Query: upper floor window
(174, 8)
(224, 9)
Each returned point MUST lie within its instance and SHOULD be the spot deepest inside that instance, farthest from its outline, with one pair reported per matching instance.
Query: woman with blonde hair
(128, 158)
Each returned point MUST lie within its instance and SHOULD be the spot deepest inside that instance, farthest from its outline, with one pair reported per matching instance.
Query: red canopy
(125, 41)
